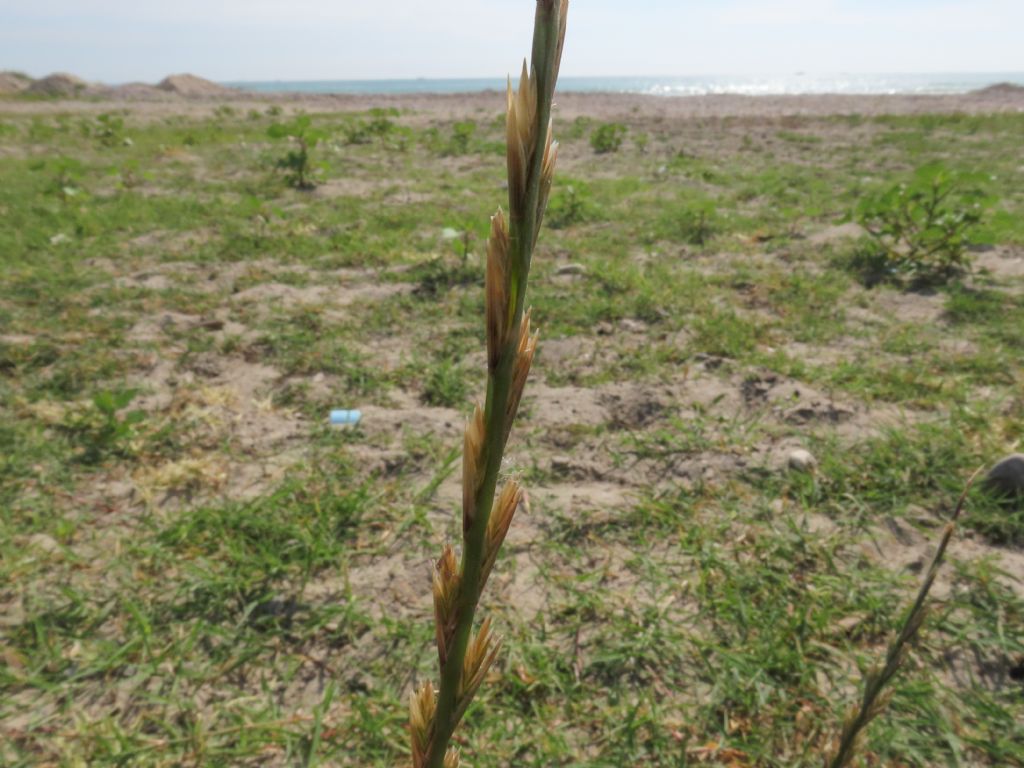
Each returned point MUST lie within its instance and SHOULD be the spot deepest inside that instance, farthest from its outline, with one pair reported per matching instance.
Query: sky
(118, 41)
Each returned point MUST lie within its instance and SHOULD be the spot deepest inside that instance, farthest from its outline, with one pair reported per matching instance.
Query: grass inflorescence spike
(464, 656)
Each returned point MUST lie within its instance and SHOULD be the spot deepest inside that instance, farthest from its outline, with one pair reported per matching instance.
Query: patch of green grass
(692, 221)
(445, 385)
(571, 204)
(607, 137)
(723, 332)
(303, 343)
(215, 595)
(811, 307)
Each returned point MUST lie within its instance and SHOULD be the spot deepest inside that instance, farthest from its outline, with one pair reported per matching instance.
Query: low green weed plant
(923, 227)
(578, 128)
(357, 132)
(298, 168)
(40, 130)
(66, 176)
(462, 135)
(102, 431)
(607, 137)
(379, 126)
(693, 221)
(381, 122)
(129, 176)
(109, 130)
(572, 204)
(438, 275)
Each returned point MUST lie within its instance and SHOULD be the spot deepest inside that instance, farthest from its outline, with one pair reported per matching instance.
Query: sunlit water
(749, 85)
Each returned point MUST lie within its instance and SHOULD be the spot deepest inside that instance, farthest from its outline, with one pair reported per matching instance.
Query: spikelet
(547, 175)
(520, 370)
(446, 595)
(482, 651)
(472, 466)
(521, 130)
(422, 704)
(498, 305)
(520, 139)
(498, 524)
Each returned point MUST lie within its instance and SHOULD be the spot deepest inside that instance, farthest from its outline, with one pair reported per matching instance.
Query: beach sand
(144, 100)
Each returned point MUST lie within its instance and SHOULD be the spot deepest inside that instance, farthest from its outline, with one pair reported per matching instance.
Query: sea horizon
(670, 85)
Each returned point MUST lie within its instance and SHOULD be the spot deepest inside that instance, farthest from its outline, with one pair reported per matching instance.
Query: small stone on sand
(801, 460)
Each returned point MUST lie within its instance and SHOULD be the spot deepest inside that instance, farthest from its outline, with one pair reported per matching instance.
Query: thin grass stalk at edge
(875, 697)
(463, 657)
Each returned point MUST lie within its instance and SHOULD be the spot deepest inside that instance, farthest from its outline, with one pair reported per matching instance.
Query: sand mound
(1000, 89)
(143, 91)
(13, 82)
(190, 85)
(58, 84)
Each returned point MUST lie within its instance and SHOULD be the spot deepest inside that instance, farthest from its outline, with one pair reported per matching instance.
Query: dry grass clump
(465, 657)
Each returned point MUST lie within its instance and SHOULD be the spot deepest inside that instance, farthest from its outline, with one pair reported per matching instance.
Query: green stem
(545, 45)
(498, 385)
(875, 682)
(499, 382)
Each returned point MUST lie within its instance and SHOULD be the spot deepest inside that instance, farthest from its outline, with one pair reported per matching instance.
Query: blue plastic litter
(343, 418)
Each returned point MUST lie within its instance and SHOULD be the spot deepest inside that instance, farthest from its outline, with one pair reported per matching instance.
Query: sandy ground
(227, 400)
(605, 106)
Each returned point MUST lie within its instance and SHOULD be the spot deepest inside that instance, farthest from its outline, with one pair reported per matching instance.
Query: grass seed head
(520, 369)
(482, 651)
(472, 466)
(521, 139)
(547, 176)
(422, 704)
(446, 595)
(499, 309)
(498, 524)
(465, 657)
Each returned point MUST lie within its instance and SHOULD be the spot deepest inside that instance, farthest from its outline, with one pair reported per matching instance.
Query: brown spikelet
(422, 704)
(547, 175)
(526, 109)
(550, 154)
(482, 651)
(498, 524)
(451, 758)
(472, 466)
(446, 595)
(520, 370)
(520, 139)
(516, 157)
(497, 289)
